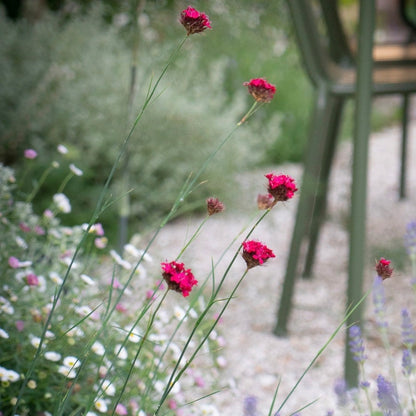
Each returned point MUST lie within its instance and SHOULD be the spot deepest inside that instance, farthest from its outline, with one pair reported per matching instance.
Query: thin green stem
(194, 235)
(39, 184)
(65, 182)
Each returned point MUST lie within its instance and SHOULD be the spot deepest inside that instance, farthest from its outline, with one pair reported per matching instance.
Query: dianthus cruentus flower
(265, 201)
(388, 399)
(256, 253)
(281, 187)
(214, 206)
(194, 21)
(261, 90)
(178, 278)
(383, 268)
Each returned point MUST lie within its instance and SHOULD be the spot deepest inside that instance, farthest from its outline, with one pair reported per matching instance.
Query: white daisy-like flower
(3, 373)
(52, 356)
(76, 331)
(21, 243)
(31, 384)
(135, 338)
(12, 376)
(3, 334)
(209, 410)
(98, 348)
(76, 171)
(87, 279)
(83, 310)
(135, 252)
(179, 313)
(159, 386)
(49, 334)
(221, 361)
(55, 278)
(117, 258)
(7, 308)
(91, 414)
(62, 203)
(101, 405)
(121, 352)
(67, 372)
(62, 149)
(108, 387)
(71, 361)
(35, 341)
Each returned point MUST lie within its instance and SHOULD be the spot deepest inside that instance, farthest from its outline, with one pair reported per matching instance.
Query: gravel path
(257, 360)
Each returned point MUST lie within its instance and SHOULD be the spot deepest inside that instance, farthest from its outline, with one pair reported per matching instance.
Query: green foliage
(97, 329)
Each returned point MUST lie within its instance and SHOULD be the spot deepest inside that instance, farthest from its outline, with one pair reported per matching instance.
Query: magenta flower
(30, 154)
(214, 206)
(281, 187)
(14, 263)
(24, 227)
(20, 325)
(194, 21)
(261, 90)
(32, 279)
(383, 268)
(256, 253)
(178, 278)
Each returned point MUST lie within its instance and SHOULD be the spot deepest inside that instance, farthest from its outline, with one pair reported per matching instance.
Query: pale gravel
(256, 359)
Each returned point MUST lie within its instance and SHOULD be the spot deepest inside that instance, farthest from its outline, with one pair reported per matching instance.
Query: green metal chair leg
(313, 163)
(319, 208)
(405, 117)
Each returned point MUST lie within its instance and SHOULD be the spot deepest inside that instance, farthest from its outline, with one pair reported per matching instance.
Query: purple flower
(407, 365)
(410, 238)
(356, 344)
(30, 154)
(341, 391)
(379, 301)
(408, 332)
(250, 406)
(388, 400)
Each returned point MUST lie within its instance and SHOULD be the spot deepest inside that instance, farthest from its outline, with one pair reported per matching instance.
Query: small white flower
(76, 171)
(221, 361)
(159, 386)
(67, 372)
(91, 414)
(21, 243)
(98, 348)
(108, 388)
(7, 308)
(12, 376)
(55, 164)
(35, 341)
(133, 251)
(52, 356)
(83, 310)
(62, 149)
(101, 405)
(87, 279)
(123, 263)
(26, 263)
(49, 334)
(55, 278)
(134, 338)
(75, 332)
(62, 202)
(3, 334)
(209, 410)
(178, 313)
(71, 361)
(3, 373)
(31, 384)
(121, 352)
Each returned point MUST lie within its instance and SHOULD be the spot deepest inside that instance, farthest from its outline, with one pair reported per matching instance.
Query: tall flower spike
(410, 238)
(178, 278)
(388, 400)
(356, 344)
(250, 406)
(261, 90)
(281, 187)
(408, 332)
(194, 21)
(383, 268)
(256, 253)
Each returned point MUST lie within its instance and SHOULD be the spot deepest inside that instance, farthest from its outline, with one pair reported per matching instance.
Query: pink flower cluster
(178, 278)
(256, 253)
(261, 90)
(383, 268)
(194, 21)
(281, 187)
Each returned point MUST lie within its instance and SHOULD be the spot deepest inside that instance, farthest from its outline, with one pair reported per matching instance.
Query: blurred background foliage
(65, 72)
